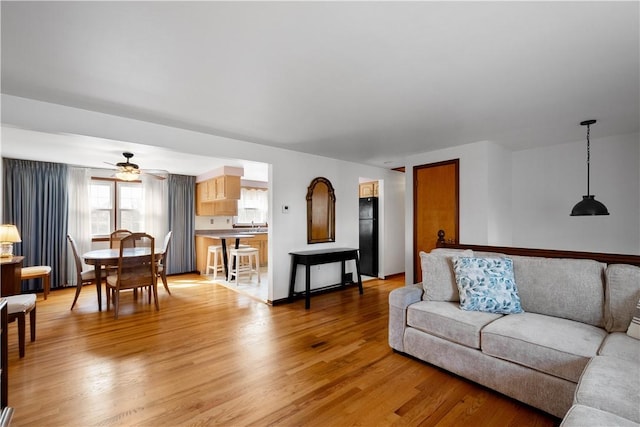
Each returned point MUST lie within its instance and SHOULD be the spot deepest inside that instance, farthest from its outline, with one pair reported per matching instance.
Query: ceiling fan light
(128, 175)
(589, 206)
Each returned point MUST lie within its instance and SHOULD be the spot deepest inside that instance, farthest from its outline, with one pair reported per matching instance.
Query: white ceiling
(371, 82)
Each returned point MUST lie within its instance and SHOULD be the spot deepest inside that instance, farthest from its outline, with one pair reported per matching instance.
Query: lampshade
(8, 236)
(588, 205)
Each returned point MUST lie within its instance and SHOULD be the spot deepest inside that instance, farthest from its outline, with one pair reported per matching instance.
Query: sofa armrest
(404, 297)
(399, 300)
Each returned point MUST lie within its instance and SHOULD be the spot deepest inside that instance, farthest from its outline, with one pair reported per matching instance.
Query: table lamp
(8, 236)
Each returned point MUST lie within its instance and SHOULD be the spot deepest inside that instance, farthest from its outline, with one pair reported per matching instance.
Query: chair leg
(116, 302)
(21, 333)
(32, 323)
(164, 281)
(75, 298)
(47, 285)
(155, 295)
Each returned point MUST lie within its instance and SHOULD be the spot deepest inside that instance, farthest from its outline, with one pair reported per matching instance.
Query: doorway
(435, 207)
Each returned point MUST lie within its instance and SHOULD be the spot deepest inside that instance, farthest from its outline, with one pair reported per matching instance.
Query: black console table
(321, 256)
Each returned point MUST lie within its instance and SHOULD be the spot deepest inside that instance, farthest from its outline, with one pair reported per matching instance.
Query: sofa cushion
(619, 344)
(486, 284)
(568, 288)
(584, 416)
(552, 345)
(446, 320)
(621, 295)
(438, 279)
(611, 384)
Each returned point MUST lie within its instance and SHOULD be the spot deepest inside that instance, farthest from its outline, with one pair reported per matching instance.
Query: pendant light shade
(589, 205)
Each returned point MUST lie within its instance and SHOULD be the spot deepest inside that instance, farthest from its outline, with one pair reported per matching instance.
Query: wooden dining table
(100, 258)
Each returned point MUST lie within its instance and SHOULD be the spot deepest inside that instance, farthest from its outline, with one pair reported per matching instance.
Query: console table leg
(292, 280)
(307, 295)
(358, 272)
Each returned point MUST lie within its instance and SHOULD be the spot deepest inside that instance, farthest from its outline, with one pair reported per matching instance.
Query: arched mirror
(321, 211)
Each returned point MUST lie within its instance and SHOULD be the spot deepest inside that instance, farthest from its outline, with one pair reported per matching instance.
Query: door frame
(456, 163)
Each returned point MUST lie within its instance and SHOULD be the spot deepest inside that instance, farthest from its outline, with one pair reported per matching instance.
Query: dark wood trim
(547, 253)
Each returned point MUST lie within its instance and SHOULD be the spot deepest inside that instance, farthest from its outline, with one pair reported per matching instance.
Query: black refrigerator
(369, 236)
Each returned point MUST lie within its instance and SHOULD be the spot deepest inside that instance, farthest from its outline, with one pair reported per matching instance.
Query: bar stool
(243, 262)
(214, 251)
(37, 272)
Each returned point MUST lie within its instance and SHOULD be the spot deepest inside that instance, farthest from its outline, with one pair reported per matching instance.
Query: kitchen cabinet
(369, 189)
(226, 187)
(218, 208)
(218, 196)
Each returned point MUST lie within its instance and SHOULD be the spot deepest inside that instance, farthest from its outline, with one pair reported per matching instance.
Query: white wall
(524, 198)
(479, 218)
(549, 181)
(289, 175)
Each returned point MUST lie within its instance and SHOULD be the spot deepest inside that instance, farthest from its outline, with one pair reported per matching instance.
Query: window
(115, 205)
(253, 206)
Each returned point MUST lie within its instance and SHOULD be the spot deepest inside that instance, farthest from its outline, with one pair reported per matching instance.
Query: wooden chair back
(139, 271)
(115, 239)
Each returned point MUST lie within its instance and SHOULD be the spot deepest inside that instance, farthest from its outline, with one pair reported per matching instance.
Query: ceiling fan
(127, 171)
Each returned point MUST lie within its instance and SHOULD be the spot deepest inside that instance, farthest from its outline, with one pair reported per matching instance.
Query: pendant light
(589, 205)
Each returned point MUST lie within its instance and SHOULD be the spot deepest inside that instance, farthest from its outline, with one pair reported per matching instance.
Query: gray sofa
(567, 354)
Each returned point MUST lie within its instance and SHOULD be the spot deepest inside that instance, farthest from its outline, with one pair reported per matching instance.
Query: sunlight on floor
(251, 288)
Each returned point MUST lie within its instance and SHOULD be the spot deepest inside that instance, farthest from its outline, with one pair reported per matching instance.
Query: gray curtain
(181, 257)
(36, 201)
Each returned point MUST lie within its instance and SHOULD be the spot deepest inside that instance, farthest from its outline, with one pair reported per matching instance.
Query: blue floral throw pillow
(487, 284)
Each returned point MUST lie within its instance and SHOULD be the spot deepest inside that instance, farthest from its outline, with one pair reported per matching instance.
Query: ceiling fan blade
(156, 176)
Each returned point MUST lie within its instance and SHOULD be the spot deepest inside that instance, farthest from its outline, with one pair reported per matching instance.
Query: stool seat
(37, 272)
(17, 308)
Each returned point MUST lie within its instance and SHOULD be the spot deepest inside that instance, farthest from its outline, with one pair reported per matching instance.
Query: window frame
(115, 211)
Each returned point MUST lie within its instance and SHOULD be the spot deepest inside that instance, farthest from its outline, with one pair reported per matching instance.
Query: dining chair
(38, 272)
(86, 277)
(137, 272)
(161, 267)
(115, 238)
(17, 308)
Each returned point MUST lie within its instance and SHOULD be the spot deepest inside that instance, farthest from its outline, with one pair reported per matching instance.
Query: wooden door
(435, 207)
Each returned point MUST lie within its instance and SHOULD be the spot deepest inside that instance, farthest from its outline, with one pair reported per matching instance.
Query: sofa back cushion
(568, 288)
(438, 278)
(621, 296)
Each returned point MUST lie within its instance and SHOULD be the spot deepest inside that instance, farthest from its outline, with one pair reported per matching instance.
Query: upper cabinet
(218, 196)
(369, 189)
(227, 187)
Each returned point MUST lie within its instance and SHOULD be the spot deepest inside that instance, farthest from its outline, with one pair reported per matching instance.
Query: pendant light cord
(588, 157)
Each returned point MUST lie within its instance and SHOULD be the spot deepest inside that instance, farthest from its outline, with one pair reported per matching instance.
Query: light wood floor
(214, 357)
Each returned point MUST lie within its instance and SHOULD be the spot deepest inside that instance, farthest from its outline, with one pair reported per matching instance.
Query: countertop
(214, 233)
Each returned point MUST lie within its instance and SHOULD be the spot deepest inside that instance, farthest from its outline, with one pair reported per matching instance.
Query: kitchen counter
(204, 238)
(229, 231)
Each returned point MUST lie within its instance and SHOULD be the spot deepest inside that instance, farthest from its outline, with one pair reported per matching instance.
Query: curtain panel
(181, 257)
(79, 223)
(36, 201)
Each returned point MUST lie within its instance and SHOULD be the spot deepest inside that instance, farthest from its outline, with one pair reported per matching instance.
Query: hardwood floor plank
(211, 356)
